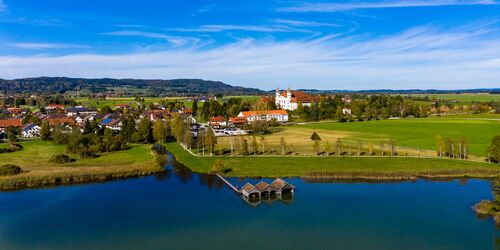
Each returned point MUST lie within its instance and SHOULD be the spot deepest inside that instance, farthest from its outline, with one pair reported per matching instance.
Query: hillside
(176, 87)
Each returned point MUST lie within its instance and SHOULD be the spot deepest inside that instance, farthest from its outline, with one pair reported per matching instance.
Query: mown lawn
(277, 166)
(418, 132)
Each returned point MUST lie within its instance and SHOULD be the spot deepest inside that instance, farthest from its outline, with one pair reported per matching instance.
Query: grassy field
(338, 167)
(34, 160)
(416, 132)
(464, 98)
(113, 101)
(408, 135)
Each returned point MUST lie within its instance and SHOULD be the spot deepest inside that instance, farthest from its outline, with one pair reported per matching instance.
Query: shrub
(61, 159)
(218, 166)
(9, 169)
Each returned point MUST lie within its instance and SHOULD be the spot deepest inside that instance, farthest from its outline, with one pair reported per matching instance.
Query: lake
(184, 210)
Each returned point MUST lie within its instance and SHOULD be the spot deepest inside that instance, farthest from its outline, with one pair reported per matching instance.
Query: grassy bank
(338, 167)
(38, 171)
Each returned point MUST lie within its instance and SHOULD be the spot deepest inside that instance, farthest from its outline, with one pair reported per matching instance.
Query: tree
(315, 138)
(106, 110)
(145, 131)
(11, 136)
(195, 107)
(283, 145)
(254, 144)
(45, 133)
(339, 146)
(494, 149)
(327, 148)
(159, 131)
(178, 127)
(210, 140)
(188, 138)
(263, 142)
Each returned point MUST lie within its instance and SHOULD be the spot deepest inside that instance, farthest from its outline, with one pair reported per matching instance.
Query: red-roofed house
(10, 123)
(217, 121)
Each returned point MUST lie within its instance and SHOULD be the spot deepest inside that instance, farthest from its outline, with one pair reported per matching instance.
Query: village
(26, 122)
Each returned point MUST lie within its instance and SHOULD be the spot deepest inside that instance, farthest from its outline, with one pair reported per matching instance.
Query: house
(217, 121)
(249, 190)
(265, 189)
(346, 111)
(59, 120)
(156, 114)
(237, 120)
(186, 111)
(347, 99)
(122, 107)
(10, 123)
(54, 108)
(289, 100)
(265, 115)
(80, 111)
(281, 186)
(30, 130)
(113, 124)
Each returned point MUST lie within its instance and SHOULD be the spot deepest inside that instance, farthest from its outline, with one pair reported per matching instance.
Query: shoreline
(272, 167)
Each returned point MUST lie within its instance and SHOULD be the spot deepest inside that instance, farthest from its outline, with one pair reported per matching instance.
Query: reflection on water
(179, 209)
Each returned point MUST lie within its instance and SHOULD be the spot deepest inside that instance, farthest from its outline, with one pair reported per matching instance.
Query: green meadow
(464, 98)
(337, 167)
(35, 156)
(417, 132)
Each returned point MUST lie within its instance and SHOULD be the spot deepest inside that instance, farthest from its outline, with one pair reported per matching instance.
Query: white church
(289, 100)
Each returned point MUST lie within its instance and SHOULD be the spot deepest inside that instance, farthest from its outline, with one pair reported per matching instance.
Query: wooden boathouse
(262, 189)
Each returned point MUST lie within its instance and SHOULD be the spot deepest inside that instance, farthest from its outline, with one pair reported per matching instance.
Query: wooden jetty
(229, 184)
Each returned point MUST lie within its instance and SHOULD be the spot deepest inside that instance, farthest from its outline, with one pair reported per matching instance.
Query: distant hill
(404, 91)
(176, 87)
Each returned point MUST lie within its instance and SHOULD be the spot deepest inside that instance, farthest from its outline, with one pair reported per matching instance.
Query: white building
(266, 115)
(289, 100)
(31, 130)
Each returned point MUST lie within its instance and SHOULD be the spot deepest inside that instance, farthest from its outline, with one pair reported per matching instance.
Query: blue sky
(400, 44)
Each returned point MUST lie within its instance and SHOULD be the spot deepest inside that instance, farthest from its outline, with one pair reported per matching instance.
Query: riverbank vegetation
(337, 167)
(39, 170)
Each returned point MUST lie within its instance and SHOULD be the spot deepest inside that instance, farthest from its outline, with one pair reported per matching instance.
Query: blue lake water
(183, 210)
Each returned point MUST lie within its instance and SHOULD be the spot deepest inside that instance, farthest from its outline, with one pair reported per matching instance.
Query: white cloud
(336, 7)
(175, 40)
(422, 57)
(305, 23)
(255, 28)
(47, 46)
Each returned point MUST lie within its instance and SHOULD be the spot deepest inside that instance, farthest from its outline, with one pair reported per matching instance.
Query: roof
(248, 188)
(300, 96)
(238, 120)
(264, 112)
(280, 183)
(55, 106)
(80, 109)
(217, 119)
(54, 121)
(262, 186)
(29, 126)
(13, 122)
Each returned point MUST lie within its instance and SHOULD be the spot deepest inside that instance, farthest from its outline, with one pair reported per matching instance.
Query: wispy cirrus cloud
(420, 57)
(347, 6)
(40, 46)
(174, 40)
(254, 28)
(299, 23)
